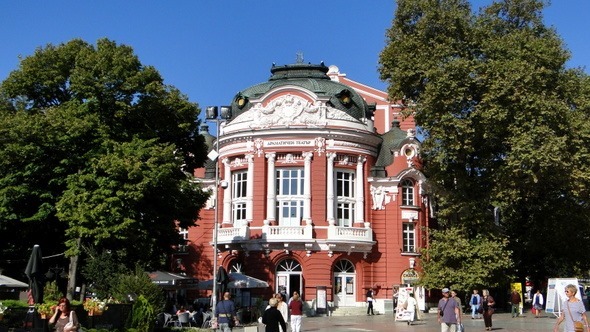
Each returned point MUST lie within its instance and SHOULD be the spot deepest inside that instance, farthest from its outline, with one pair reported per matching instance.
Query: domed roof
(309, 77)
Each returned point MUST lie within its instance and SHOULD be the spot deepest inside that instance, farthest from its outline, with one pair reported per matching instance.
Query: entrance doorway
(289, 278)
(344, 284)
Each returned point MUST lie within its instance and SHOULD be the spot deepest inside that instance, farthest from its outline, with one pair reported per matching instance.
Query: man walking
(449, 314)
(515, 301)
(475, 302)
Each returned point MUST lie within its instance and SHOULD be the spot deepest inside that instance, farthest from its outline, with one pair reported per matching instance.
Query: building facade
(320, 190)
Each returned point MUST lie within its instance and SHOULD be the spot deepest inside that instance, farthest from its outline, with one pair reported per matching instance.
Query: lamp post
(213, 115)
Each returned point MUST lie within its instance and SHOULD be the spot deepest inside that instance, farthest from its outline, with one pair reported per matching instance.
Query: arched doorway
(344, 284)
(289, 278)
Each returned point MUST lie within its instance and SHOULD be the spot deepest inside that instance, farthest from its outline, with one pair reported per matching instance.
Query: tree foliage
(464, 262)
(96, 150)
(504, 124)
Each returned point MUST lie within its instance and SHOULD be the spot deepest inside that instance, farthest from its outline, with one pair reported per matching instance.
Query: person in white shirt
(283, 308)
(411, 308)
(538, 303)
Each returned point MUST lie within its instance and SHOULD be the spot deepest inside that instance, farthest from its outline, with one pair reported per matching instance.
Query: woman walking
(572, 311)
(487, 307)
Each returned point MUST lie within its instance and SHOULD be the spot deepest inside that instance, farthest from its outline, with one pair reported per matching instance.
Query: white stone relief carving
(320, 143)
(290, 110)
(258, 146)
(378, 194)
(210, 204)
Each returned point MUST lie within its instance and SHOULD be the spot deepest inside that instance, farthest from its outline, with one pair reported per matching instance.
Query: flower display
(95, 305)
(46, 309)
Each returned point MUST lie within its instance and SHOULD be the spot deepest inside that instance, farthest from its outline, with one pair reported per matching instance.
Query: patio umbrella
(34, 272)
(169, 280)
(223, 280)
(237, 280)
(7, 282)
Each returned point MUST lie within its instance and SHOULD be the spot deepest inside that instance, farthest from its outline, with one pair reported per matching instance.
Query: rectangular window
(289, 188)
(239, 185)
(409, 235)
(345, 197)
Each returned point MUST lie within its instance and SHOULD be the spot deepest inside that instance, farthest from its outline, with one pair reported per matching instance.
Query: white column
(307, 186)
(360, 193)
(330, 189)
(250, 189)
(227, 193)
(271, 193)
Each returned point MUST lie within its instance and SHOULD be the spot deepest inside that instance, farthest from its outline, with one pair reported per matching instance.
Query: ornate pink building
(321, 191)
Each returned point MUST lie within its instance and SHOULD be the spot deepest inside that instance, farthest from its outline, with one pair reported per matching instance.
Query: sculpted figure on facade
(291, 110)
(378, 195)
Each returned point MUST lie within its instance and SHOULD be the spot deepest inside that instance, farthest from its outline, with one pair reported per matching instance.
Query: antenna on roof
(299, 57)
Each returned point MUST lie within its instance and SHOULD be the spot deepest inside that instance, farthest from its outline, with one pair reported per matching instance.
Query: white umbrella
(7, 282)
(237, 280)
(169, 280)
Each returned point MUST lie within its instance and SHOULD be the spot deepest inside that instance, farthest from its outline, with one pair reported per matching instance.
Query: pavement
(501, 322)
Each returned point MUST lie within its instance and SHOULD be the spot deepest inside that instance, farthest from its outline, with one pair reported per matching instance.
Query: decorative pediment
(290, 110)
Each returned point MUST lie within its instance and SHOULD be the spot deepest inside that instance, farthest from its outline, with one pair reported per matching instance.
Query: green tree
(96, 151)
(465, 262)
(496, 107)
(139, 284)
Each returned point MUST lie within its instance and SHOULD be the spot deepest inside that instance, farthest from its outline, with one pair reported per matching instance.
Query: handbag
(578, 326)
(460, 327)
(70, 324)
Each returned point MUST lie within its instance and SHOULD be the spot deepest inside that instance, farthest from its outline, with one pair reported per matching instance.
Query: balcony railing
(290, 233)
(339, 233)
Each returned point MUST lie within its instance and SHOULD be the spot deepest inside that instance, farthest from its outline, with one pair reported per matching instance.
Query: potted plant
(95, 306)
(45, 309)
(3, 308)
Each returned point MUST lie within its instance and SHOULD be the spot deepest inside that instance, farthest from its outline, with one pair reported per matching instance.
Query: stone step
(351, 311)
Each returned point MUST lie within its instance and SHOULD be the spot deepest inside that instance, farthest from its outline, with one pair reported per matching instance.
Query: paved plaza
(501, 322)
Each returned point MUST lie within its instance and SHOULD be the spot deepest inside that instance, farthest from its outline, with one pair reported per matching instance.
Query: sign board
(321, 300)
(556, 294)
(402, 297)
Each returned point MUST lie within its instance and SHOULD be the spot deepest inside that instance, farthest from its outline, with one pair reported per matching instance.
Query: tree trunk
(72, 274)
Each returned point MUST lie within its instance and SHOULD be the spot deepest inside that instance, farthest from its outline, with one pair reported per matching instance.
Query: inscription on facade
(290, 143)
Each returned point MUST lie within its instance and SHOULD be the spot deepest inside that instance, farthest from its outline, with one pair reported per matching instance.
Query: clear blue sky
(211, 49)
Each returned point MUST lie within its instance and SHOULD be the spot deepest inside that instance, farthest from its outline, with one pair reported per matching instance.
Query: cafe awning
(169, 280)
(7, 282)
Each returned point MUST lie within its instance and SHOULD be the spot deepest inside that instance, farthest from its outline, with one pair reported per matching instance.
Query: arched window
(407, 192)
(289, 265)
(344, 266)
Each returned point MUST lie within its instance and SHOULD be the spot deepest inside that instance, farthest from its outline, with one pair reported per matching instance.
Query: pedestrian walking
(475, 302)
(487, 309)
(370, 302)
(515, 302)
(573, 312)
(449, 315)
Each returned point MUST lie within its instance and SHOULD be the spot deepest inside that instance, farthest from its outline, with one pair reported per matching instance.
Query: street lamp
(213, 115)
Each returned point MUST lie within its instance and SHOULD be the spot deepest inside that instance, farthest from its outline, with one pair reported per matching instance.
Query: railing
(230, 234)
(289, 233)
(339, 233)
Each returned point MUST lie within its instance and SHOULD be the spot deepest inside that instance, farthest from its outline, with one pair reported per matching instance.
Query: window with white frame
(238, 192)
(409, 240)
(407, 192)
(345, 197)
(290, 196)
